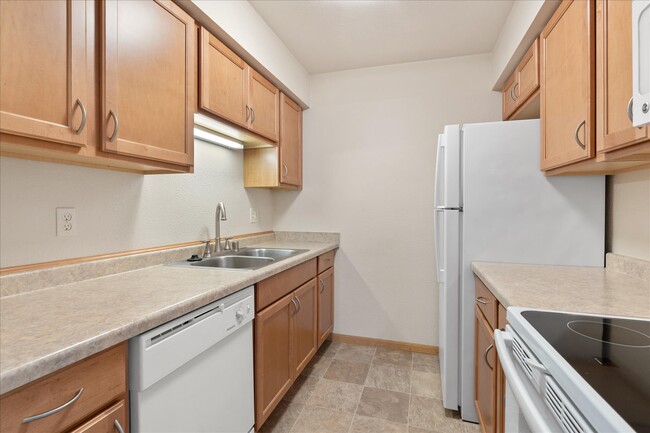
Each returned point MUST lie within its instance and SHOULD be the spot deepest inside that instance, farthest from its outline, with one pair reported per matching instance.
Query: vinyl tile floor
(361, 389)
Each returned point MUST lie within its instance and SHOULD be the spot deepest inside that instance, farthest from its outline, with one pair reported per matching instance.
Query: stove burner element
(611, 334)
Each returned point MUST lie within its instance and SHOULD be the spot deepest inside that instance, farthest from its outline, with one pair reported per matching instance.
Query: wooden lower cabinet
(107, 421)
(489, 385)
(305, 338)
(325, 305)
(291, 324)
(485, 373)
(273, 355)
(97, 383)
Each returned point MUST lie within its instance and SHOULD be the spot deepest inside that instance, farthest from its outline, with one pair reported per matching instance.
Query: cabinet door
(44, 90)
(107, 421)
(148, 80)
(325, 305)
(223, 81)
(528, 74)
(485, 381)
(567, 86)
(614, 76)
(509, 98)
(305, 339)
(264, 100)
(290, 142)
(273, 356)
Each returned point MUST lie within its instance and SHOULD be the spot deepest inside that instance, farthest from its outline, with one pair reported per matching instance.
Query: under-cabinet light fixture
(204, 130)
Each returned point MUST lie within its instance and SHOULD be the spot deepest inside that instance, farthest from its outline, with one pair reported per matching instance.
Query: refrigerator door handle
(438, 192)
(439, 225)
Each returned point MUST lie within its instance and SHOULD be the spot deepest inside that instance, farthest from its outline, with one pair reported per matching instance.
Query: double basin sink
(245, 259)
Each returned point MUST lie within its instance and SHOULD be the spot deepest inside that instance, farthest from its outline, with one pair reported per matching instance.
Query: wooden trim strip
(389, 344)
(77, 260)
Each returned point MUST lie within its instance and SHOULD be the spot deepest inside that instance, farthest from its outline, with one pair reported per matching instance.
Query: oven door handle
(532, 412)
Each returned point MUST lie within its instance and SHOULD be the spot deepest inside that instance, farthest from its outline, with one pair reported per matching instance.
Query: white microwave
(641, 61)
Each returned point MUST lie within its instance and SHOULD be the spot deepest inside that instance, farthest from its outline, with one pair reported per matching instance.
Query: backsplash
(24, 282)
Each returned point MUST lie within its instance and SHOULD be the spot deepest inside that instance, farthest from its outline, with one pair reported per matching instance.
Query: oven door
(525, 410)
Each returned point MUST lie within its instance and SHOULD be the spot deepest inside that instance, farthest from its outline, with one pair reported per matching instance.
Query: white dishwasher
(195, 373)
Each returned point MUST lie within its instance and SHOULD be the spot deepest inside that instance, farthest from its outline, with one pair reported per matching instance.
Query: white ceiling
(334, 35)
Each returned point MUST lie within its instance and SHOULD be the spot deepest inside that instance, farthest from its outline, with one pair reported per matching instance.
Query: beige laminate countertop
(45, 330)
(566, 288)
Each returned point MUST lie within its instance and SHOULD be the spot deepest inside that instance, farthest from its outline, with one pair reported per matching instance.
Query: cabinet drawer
(102, 377)
(486, 302)
(502, 321)
(325, 261)
(106, 422)
(270, 290)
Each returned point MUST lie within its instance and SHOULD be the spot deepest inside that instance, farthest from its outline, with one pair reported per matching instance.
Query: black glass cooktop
(612, 355)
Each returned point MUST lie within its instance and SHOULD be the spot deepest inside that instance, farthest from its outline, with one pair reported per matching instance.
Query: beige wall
(369, 160)
(122, 211)
(628, 214)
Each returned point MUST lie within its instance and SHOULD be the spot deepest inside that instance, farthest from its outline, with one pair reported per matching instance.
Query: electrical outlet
(253, 216)
(66, 221)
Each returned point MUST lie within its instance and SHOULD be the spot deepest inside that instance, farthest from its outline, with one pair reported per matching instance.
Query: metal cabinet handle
(511, 95)
(112, 114)
(322, 285)
(118, 426)
(285, 169)
(248, 113)
(299, 304)
(481, 300)
(295, 305)
(53, 411)
(84, 116)
(514, 91)
(629, 109)
(490, 347)
(575, 135)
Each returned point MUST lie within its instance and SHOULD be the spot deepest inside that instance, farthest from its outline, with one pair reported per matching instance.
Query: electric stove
(602, 363)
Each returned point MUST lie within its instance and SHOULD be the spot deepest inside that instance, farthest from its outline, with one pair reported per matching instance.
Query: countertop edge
(38, 368)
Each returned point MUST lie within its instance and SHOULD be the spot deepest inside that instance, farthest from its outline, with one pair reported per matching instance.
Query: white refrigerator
(492, 203)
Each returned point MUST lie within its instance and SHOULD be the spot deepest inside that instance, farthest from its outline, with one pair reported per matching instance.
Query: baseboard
(390, 344)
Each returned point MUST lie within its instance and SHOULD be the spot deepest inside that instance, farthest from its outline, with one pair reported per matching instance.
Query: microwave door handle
(516, 380)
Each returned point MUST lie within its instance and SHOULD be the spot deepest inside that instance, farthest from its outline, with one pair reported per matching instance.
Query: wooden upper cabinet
(223, 81)
(148, 80)
(508, 96)
(273, 355)
(567, 85)
(614, 76)
(521, 85)
(43, 61)
(290, 142)
(264, 102)
(325, 305)
(528, 74)
(305, 339)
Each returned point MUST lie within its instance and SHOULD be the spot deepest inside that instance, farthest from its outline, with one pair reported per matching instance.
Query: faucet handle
(226, 245)
(207, 250)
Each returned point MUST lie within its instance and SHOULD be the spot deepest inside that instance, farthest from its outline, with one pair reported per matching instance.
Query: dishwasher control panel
(159, 351)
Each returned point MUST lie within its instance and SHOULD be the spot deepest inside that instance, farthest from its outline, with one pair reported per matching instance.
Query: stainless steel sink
(274, 253)
(246, 259)
(234, 262)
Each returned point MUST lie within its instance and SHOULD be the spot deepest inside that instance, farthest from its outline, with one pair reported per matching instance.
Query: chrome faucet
(220, 215)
